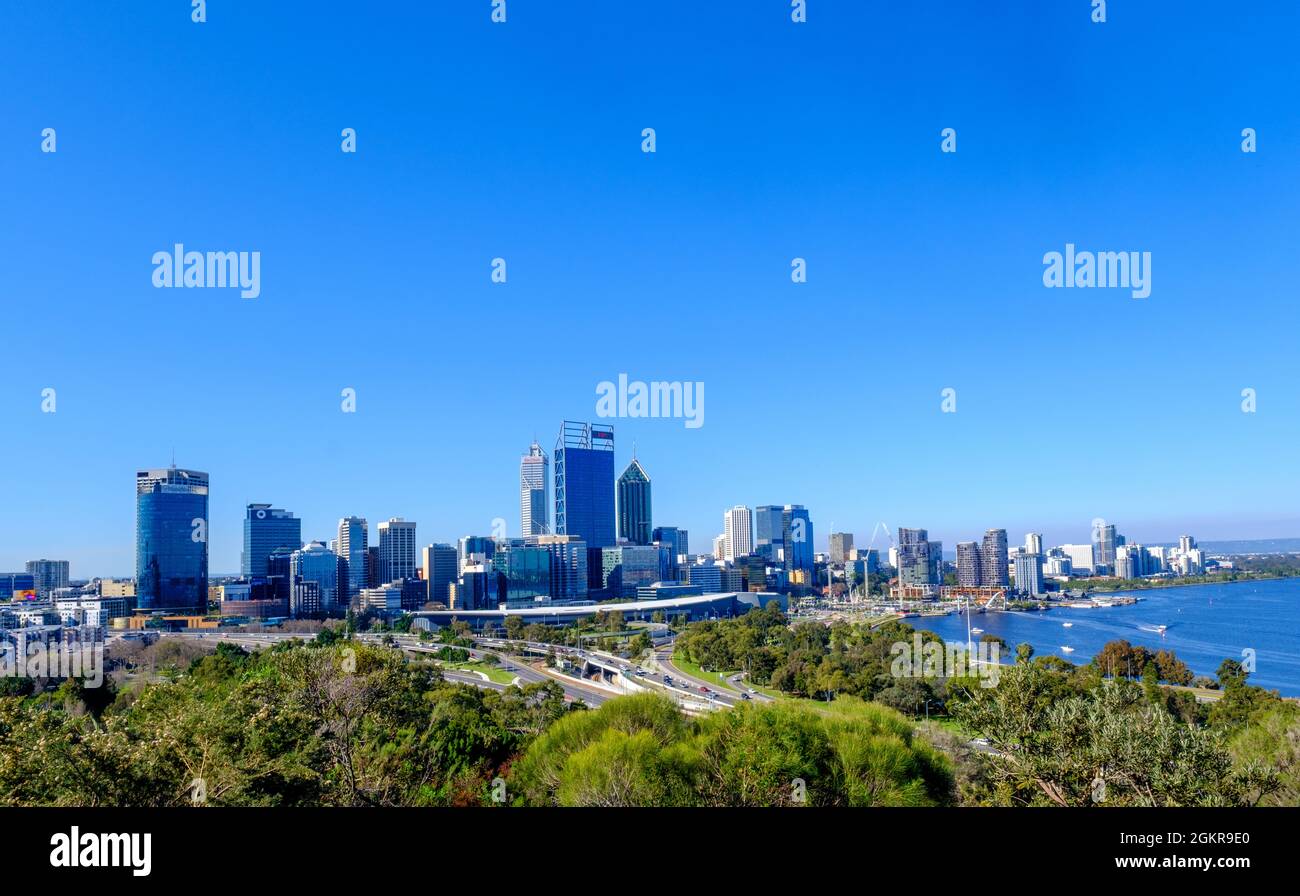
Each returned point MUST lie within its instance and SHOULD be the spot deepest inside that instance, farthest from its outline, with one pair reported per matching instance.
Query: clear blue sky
(775, 140)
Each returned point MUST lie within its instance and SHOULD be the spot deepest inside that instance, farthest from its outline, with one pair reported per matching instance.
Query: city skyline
(924, 269)
(1098, 532)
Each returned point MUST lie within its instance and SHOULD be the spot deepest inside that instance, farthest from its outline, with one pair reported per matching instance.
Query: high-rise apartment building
(1033, 543)
(534, 488)
(1029, 573)
(171, 540)
(841, 544)
(968, 564)
(47, 575)
(993, 559)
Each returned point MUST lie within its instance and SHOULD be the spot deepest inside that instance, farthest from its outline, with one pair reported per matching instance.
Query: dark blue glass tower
(584, 489)
(266, 529)
(171, 540)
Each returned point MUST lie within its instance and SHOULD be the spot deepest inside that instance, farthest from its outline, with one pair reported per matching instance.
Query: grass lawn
(718, 678)
(494, 673)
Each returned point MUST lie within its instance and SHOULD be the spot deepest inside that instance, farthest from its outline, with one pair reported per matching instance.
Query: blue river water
(1206, 624)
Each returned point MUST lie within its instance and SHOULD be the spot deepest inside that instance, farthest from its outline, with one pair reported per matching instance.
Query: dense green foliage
(641, 751)
(296, 725)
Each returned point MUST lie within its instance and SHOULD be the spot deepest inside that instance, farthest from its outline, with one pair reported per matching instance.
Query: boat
(977, 631)
(1067, 625)
(1065, 649)
(1083, 605)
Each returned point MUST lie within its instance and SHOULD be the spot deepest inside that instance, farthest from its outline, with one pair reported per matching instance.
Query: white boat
(1065, 649)
(1067, 625)
(977, 631)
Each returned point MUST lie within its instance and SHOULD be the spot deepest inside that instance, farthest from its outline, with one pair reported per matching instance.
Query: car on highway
(703, 690)
(744, 696)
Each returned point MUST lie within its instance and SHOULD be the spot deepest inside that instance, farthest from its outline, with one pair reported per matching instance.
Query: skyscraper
(584, 489)
(267, 528)
(841, 544)
(769, 533)
(440, 571)
(354, 541)
(1029, 573)
(797, 535)
(48, 575)
(1103, 553)
(584, 483)
(171, 540)
(396, 550)
(634, 504)
(738, 530)
(1033, 543)
(968, 564)
(534, 476)
(993, 559)
(915, 566)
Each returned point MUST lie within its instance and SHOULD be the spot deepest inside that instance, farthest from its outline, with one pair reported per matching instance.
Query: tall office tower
(797, 535)
(676, 541)
(968, 564)
(1103, 549)
(267, 528)
(354, 543)
(584, 484)
(171, 540)
(1033, 543)
(534, 478)
(440, 569)
(372, 567)
(48, 575)
(914, 564)
(584, 489)
(769, 533)
(993, 559)
(1029, 573)
(396, 550)
(634, 510)
(316, 563)
(841, 546)
(720, 547)
(738, 532)
(1186, 544)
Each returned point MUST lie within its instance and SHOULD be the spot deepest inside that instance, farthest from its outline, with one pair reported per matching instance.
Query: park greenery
(336, 722)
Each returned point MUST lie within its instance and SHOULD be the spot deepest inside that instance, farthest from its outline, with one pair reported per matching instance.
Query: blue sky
(775, 140)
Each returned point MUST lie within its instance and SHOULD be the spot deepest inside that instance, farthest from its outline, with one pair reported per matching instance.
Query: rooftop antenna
(173, 457)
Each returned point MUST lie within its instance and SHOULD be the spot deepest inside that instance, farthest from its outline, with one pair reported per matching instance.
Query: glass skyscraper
(584, 489)
(267, 529)
(171, 540)
(534, 471)
(769, 537)
(634, 504)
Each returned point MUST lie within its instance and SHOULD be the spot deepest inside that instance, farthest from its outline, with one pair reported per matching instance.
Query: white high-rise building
(396, 550)
(354, 538)
(1033, 543)
(1080, 558)
(738, 530)
(534, 474)
(720, 547)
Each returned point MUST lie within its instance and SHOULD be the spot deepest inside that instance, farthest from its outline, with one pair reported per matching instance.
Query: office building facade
(171, 540)
(534, 492)
(397, 550)
(634, 506)
(354, 550)
(267, 529)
